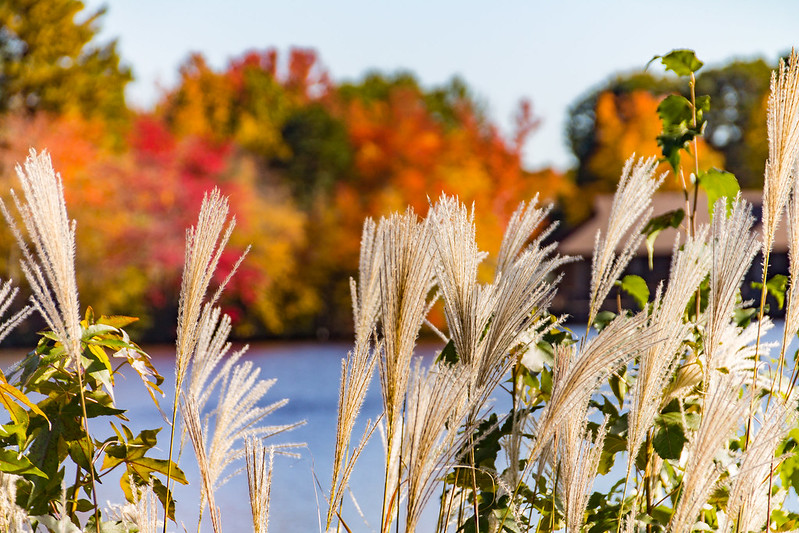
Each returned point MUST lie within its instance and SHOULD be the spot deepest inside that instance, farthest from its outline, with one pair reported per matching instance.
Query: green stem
(168, 497)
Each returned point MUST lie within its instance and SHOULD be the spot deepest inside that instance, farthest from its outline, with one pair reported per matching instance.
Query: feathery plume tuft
(628, 214)
(406, 277)
(783, 137)
(722, 411)
(578, 376)
(7, 294)
(205, 243)
(50, 266)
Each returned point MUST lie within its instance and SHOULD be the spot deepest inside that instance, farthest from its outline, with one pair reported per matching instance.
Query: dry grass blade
(50, 267)
(259, 481)
(628, 214)
(437, 407)
(689, 267)
(783, 137)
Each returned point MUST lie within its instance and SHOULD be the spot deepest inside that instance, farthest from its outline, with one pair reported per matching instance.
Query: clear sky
(550, 51)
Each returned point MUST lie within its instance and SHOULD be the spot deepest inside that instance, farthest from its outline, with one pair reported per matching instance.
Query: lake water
(308, 375)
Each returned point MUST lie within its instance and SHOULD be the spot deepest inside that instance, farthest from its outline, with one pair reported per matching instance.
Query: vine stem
(91, 446)
(168, 497)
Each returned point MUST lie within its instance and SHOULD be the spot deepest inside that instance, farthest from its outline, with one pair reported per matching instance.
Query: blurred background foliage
(304, 160)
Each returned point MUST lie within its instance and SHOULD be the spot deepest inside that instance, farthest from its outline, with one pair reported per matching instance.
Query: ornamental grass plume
(50, 266)
(13, 519)
(235, 418)
(512, 305)
(205, 243)
(783, 141)
(358, 367)
(629, 213)
(657, 364)
(406, 278)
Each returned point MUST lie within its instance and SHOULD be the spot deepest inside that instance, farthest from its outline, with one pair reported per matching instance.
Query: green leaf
(603, 318)
(117, 321)
(676, 113)
(681, 62)
(18, 464)
(669, 437)
(448, 355)
(670, 219)
(776, 287)
(636, 287)
(719, 184)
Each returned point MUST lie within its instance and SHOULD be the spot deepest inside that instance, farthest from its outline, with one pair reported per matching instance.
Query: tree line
(304, 160)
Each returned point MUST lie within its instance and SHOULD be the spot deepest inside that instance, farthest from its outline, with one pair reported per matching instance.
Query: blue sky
(551, 52)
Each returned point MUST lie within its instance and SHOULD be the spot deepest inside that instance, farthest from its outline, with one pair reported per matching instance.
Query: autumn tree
(49, 62)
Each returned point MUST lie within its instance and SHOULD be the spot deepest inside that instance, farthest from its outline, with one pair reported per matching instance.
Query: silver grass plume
(205, 243)
(783, 137)
(7, 294)
(657, 364)
(579, 376)
(259, 481)
(237, 415)
(748, 500)
(723, 410)
(406, 277)
(628, 214)
(578, 462)
(465, 300)
(487, 321)
(437, 408)
(50, 266)
(733, 246)
(357, 369)
(521, 226)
